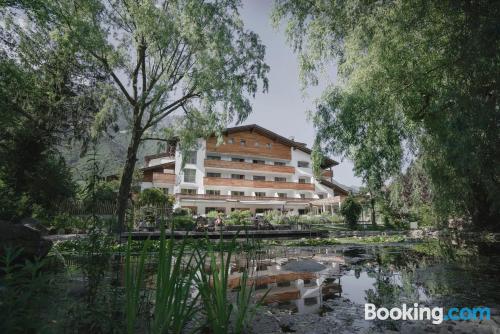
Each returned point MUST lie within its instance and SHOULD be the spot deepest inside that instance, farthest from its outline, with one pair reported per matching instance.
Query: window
(190, 175)
(280, 179)
(238, 159)
(213, 175)
(259, 178)
(238, 176)
(261, 162)
(230, 140)
(165, 190)
(279, 163)
(237, 193)
(186, 191)
(260, 194)
(321, 196)
(213, 157)
(212, 192)
(243, 142)
(303, 164)
(191, 157)
(256, 144)
(269, 146)
(303, 180)
(282, 195)
(302, 195)
(283, 284)
(261, 287)
(310, 301)
(210, 209)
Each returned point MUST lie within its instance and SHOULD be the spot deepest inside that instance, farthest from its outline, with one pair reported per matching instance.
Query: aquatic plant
(174, 305)
(222, 315)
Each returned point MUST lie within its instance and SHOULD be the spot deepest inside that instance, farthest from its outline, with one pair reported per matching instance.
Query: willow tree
(416, 77)
(190, 57)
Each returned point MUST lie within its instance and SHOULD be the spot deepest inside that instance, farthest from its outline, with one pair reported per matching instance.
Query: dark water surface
(324, 289)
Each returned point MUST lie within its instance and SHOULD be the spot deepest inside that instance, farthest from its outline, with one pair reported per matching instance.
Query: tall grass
(224, 315)
(174, 301)
(185, 292)
(175, 306)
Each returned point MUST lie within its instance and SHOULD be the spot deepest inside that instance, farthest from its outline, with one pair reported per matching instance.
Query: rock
(35, 224)
(25, 237)
(304, 266)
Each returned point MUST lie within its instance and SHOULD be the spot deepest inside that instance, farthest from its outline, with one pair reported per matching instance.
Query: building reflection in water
(299, 282)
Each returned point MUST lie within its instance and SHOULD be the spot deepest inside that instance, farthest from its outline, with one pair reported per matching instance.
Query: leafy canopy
(416, 77)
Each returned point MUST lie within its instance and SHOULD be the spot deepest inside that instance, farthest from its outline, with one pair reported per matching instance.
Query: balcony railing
(164, 178)
(225, 182)
(249, 166)
(242, 198)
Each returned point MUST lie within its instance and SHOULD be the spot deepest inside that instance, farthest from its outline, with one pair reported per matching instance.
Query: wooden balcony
(241, 198)
(224, 182)
(249, 166)
(164, 178)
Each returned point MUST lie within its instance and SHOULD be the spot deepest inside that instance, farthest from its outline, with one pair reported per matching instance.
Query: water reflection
(302, 279)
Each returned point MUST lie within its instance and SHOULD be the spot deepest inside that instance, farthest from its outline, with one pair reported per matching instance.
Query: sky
(283, 108)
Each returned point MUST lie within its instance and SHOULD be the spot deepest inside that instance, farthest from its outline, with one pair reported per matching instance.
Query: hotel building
(253, 168)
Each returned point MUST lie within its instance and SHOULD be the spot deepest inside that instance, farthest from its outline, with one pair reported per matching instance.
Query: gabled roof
(166, 165)
(270, 134)
(337, 188)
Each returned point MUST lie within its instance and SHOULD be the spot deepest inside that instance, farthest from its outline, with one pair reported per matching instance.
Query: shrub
(152, 196)
(183, 222)
(213, 214)
(182, 212)
(351, 211)
(274, 217)
(239, 217)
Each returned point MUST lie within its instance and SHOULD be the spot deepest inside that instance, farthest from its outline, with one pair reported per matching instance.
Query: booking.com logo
(436, 314)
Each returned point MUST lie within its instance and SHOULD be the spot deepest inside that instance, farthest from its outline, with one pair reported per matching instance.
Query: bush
(183, 222)
(351, 210)
(239, 217)
(213, 214)
(152, 196)
(181, 212)
(275, 217)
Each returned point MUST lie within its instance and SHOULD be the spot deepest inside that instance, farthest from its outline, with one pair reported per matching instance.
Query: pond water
(324, 289)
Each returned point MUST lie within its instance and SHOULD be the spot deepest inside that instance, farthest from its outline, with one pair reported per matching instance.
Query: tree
(417, 78)
(351, 210)
(41, 107)
(162, 57)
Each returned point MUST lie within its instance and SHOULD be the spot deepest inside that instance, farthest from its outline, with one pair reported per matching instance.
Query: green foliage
(66, 222)
(191, 58)
(351, 210)
(152, 196)
(416, 77)
(213, 214)
(25, 293)
(238, 217)
(43, 106)
(214, 292)
(274, 217)
(183, 222)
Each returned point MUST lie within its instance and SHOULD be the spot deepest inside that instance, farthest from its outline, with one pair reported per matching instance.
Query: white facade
(192, 192)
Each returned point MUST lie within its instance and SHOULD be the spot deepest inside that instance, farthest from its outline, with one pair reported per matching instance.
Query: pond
(324, 289)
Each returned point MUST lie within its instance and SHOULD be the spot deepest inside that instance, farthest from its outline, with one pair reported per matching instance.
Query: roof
(337, 188)
(327, 162)
(157, 156)
(166, 165)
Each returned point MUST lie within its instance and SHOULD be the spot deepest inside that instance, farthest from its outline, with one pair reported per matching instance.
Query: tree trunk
(372, 204)
(126, 180)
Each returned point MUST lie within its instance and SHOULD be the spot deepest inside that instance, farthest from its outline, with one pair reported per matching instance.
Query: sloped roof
(270, 134)
(166, 165)
(337, 188)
